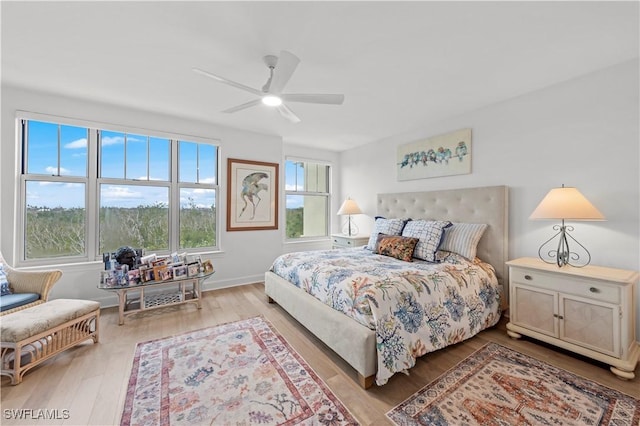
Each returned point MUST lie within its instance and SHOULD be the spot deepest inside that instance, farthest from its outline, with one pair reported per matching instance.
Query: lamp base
(350, 229)
(562, 254)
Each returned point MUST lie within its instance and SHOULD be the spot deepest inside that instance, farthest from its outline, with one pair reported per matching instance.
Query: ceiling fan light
(272, 100)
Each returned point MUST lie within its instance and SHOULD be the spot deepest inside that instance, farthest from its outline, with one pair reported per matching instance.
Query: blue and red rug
(499, 386)
(239, 373)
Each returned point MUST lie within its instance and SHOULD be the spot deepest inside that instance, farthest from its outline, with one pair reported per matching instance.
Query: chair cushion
(20, 325)
(15, 300)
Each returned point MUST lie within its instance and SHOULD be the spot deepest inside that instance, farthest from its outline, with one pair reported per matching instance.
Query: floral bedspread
(414, 307)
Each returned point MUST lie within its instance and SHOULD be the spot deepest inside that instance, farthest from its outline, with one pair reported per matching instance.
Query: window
(87, 191)
(307, 199)
(54, 188)
(198, 179)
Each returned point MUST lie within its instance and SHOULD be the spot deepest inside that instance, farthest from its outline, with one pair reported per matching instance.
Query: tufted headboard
(487, 204)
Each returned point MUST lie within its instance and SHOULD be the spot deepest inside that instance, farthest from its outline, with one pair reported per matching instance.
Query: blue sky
(146, 159)
(294, 179)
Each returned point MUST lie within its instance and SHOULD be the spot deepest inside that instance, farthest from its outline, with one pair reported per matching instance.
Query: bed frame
(355, 343)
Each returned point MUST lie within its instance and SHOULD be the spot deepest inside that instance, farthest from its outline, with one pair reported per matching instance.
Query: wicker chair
(38, 282)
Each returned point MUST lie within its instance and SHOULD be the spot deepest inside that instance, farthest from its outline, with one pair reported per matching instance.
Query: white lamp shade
(349, 207)
(566, 203)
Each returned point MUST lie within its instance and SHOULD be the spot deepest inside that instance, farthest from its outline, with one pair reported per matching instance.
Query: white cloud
(290, 187)
(112, 140)
(201, 191)
(73, 185)
(78, 143)
(119, 192)
(54, 170)
(61, 184)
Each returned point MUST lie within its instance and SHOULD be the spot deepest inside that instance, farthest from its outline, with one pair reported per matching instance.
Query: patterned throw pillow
(396, 246)
(4, 284)
(429, 233)
(385, 226)
(463, 238)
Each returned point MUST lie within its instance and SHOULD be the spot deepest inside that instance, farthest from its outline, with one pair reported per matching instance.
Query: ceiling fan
(271, 93)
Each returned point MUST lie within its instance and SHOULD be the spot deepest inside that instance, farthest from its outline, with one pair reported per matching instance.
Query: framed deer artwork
(252, 195)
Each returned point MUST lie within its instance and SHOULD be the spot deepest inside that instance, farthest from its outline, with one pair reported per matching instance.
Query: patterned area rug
(239, 373)
(498, 386)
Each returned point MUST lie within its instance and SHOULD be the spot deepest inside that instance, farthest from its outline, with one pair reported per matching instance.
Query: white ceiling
(400, 65)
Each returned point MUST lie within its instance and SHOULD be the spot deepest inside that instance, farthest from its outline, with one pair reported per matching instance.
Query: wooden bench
(33, 335)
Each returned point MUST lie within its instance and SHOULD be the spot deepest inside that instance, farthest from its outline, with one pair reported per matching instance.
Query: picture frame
(107, 278)
(148, 259)
(160, 262)
(180, 271)
(193, 269)
(252, 195)
(147, 274)
(207, 266)
(443, 155)
(162, 273)
(134, 276)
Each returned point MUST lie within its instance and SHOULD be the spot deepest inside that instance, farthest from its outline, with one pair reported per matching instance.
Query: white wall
(245, 255)
(582, 133)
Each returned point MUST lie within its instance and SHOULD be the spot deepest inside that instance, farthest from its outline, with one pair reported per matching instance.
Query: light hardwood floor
(91, 380)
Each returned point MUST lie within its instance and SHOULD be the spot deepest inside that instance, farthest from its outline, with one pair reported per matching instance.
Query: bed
(355, 340)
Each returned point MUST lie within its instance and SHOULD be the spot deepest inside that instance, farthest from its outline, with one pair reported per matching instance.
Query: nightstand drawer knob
(528, 277)
(594, 290)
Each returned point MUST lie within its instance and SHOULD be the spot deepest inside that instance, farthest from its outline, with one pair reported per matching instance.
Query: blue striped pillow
(463, 238)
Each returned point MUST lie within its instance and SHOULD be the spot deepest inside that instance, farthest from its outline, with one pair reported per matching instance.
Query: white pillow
(463, 238)
(429, 235)
(385, 226)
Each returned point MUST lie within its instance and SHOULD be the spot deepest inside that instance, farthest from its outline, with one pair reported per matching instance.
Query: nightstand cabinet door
(590, 324)
(535, 309)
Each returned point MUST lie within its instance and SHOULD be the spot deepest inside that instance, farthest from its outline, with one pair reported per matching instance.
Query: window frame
(92, 185)
(327, 195)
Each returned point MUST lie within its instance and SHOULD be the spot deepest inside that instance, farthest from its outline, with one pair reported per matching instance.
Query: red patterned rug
(499, 386)
(239, 373)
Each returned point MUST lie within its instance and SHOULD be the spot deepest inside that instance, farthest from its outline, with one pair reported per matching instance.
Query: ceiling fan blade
(243, 106)
(229, 82)
(314, 98)
(287, 63)
(287, 113)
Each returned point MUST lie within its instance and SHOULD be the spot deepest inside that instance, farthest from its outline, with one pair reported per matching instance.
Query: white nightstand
(342, 241)
(589, 310)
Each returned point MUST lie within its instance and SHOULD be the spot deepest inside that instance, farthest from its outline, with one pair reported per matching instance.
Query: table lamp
(564, 203)
(348, 208)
